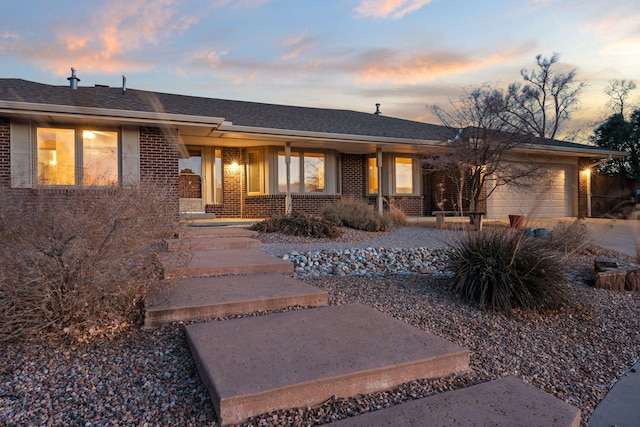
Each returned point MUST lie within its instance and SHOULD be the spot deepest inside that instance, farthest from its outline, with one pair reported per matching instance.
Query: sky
(406, 55)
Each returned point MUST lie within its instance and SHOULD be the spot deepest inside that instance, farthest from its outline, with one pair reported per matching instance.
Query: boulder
(632, 280)
(605, 264)
(612, 280)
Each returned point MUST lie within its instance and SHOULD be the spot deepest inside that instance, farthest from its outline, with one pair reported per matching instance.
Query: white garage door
(548, 195)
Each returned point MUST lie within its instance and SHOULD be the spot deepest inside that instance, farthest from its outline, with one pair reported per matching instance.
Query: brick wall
(354, 175)
(5, 166)
(159, 159)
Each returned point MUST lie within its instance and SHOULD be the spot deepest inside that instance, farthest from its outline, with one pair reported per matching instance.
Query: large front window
(82, 157)
(403, 168)
(307, 172)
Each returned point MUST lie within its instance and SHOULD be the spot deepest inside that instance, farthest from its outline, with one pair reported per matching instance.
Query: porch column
(287, 162)
(588, 173)
(379, 165)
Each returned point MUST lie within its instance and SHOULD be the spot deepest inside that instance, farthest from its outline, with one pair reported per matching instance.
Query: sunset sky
(348, 54)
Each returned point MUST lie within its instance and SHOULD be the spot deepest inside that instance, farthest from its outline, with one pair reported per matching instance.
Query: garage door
(548, 195)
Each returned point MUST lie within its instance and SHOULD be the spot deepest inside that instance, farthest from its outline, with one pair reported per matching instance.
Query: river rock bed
(370, 262)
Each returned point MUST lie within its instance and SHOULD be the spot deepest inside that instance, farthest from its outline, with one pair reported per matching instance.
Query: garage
(548, 195)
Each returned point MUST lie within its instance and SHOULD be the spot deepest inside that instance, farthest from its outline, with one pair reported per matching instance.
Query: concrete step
(218, 262)
(300, 358)
(221, 296)
(195, 232)
(505, 403)
(195, 243)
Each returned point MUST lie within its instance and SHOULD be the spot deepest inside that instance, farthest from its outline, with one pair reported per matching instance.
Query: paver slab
(301, 358)
(223, 261)
(228, 295)
(507, 402)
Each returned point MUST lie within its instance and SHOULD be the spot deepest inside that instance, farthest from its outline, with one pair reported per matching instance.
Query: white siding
(21, 155)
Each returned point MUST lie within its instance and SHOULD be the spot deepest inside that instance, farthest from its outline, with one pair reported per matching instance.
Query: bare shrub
(78, 264)
(569, 237)
(502, 269)
(396, 214)
(298, 224)
(358, 215)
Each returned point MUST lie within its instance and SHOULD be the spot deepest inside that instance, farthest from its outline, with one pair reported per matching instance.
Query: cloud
(116, 38)
(387, 65)
(394, 9)
(297, 45)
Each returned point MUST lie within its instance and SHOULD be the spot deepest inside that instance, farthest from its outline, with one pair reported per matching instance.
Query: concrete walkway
(300, 358)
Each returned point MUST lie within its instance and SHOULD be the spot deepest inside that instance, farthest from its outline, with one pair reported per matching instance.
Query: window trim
(329, 183)
(261, 171)
(78, 155)
(394, 175)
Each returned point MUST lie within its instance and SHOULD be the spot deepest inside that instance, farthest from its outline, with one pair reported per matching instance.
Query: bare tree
(483, 139)
(545, 100)
(619, 92)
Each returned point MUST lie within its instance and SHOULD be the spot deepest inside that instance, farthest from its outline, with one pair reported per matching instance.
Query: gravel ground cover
(147, 376)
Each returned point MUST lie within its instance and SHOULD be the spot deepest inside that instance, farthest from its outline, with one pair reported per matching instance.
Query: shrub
(569, 237)
(78, 265)
(298, 224)
(358, 215)
(502, 269)
(397, 215)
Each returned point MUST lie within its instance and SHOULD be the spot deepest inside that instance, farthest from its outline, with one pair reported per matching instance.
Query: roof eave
(29, 110)
(229, 128)
(591, 153)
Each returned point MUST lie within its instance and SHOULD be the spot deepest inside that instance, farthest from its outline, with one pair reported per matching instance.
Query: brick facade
(5, 166)
(159, 163)
(353, 177)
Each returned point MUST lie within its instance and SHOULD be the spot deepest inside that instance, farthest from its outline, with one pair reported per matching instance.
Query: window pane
(313, 172)
(373, 175)
(190, 176)
(294, 173)
(404, 175)
(254, 180)
(217, 185)
(56, 156)
(100, 157)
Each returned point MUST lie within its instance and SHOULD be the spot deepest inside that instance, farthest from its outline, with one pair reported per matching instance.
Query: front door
(190, 182)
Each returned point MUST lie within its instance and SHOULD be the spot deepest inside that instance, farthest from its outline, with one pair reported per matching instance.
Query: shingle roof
(240, 113)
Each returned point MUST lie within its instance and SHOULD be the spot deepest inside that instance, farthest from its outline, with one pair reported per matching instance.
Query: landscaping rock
(612, 280)
(632, 280)
(605, 264)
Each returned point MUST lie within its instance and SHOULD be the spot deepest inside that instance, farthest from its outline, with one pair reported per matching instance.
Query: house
(240, 159)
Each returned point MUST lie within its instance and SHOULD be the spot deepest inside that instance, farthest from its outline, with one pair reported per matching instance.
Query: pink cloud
(106, 42)
(387, 65)
(389, 8)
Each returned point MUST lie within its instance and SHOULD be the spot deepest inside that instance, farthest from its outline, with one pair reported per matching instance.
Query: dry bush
(78, 264)
(396, 214)
(298, 224)
(569, 237)
(358, 215)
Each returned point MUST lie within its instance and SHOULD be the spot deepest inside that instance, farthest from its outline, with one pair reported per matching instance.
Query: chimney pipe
(73, 80)
(378, 112)
(124, 83)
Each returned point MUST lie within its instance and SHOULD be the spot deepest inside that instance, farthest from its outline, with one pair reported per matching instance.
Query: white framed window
(255, 174)
(83, 157)
(372, 175)
(307, 172)
(403, 175)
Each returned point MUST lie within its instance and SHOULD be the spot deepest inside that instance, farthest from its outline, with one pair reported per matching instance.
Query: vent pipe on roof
(73, 80)
(124, 83)
(378, 112)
